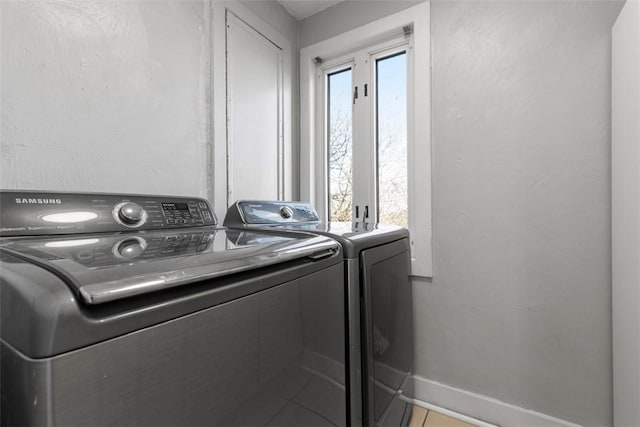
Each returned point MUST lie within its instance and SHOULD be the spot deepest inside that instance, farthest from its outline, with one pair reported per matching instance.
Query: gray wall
(105, 96)
(520, 304)
(276, 15)
(346, 16)
(111, 96)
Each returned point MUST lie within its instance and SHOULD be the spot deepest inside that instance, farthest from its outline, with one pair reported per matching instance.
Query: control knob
(130, 214)
(286, 212)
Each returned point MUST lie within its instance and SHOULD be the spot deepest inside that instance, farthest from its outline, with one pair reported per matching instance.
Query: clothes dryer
(379, 306)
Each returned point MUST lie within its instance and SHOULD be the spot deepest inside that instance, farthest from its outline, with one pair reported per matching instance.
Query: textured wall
(520, 304)
(347, 15)
(105, 96)
(276, 15)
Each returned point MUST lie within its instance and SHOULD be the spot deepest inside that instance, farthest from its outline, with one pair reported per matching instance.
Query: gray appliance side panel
(35, 305)
(245, 362)
(352, 275)
(388, 316)
(23, 390)
(40, 317)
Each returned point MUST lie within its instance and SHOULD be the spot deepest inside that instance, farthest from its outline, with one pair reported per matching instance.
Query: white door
(254, 114)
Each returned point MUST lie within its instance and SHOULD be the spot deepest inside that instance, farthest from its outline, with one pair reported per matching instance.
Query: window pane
(391, 109)
(340, 145)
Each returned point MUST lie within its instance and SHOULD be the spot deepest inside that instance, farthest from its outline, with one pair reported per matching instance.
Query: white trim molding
(476, 406)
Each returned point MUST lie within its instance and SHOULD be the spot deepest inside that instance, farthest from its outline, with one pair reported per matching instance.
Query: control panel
(41, 213)
(258, 212)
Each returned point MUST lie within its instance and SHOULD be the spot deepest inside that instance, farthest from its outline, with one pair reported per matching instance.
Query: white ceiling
(301, 9)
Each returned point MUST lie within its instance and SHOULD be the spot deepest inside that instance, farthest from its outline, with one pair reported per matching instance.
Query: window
(340, 144)
(366, 112)
(365, 127)
(391, 138)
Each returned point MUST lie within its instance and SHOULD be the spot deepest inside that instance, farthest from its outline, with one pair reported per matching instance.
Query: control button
(170, 221)
(129, 248)
(130, 214)
(203, 205)
(286, 212)
(206, 215)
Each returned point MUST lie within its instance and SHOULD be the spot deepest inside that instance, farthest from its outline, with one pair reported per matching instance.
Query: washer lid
(107, 267)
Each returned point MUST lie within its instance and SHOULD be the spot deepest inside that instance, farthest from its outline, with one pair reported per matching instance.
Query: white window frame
(363, 71)
(313, 176)
(387, 50)
(321, 108)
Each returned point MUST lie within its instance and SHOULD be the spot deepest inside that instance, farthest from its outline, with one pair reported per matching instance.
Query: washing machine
(141, 310)
(379, 313)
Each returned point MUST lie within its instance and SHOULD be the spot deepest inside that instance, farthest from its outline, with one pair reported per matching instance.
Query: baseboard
(477, 406)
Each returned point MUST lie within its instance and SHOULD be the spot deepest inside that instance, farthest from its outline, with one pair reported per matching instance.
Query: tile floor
(421, 417)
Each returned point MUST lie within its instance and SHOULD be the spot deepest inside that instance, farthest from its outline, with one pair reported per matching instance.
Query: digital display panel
(175, 207)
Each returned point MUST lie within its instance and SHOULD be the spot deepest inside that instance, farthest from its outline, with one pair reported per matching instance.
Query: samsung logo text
(38, 201)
